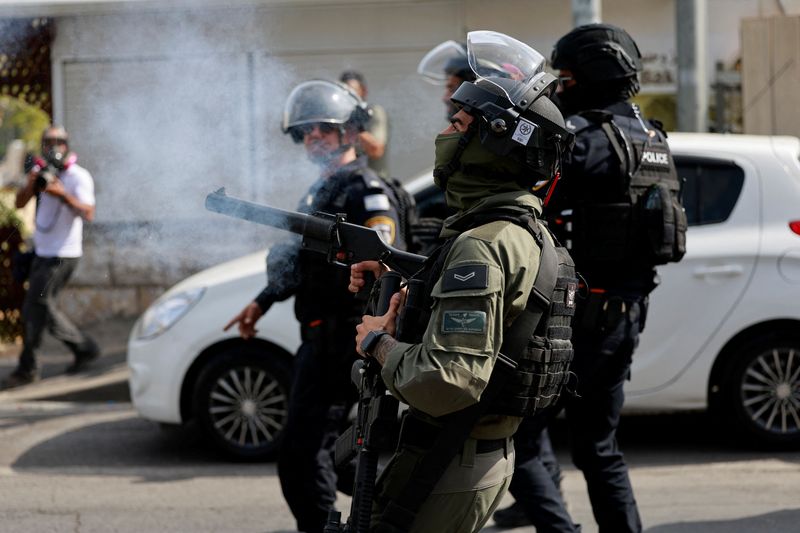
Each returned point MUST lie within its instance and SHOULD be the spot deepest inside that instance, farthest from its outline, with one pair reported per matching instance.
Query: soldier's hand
(384, 322)
(247, 320)
(357, 271)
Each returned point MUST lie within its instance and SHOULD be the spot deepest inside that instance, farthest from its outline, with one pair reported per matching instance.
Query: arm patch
(385, 226)
(464, 322)
(377, 202)
(465, 277)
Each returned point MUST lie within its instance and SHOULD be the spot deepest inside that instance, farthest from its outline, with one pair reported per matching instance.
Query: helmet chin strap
(556, 175)
(443, 173)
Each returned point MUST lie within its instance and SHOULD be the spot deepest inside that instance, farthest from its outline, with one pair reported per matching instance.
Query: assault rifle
(342, 242)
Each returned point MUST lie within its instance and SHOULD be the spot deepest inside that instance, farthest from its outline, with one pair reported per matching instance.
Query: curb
(108, 385)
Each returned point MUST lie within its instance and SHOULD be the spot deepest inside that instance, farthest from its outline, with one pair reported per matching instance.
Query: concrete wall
(167, 101)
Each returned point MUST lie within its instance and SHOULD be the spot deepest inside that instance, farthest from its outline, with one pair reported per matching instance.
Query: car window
(710, 190)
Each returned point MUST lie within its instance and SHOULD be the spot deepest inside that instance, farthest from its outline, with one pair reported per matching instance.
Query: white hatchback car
(723, 329)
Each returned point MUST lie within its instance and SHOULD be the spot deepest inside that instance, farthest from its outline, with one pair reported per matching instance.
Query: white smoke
(169, 108)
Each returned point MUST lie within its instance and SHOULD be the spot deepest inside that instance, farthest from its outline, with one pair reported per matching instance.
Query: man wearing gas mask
(492, 344)
(64, 193)
(326, 118)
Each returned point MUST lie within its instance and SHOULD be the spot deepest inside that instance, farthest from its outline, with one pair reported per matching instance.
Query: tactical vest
(538, 343)
(632, 215)
(323, 291)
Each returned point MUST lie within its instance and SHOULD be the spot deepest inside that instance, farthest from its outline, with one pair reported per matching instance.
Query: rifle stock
(343, 242)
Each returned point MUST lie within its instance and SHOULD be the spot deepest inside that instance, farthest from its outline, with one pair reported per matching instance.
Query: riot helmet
(445, 59)
(323, 102)
(602, 58)
(513, 116)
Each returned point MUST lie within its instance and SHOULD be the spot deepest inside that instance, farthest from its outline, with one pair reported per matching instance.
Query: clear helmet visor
(496, 55)
(318, 101)
(443, 60)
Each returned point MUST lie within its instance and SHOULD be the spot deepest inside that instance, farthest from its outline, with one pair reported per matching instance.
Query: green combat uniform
(451, 367)
(489, 341)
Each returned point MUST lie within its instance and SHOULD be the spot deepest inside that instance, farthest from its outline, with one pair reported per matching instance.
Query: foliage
(659, 107)
(19, 120)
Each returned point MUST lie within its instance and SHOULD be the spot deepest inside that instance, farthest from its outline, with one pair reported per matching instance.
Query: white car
(723, 329)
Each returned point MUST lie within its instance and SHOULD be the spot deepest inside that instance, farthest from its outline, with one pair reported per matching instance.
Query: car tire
(760, 392)
(241, 400)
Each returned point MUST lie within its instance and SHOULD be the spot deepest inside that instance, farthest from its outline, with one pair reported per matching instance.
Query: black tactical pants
(320, 400)
(39, 312)
(602, 365)
(537, 477)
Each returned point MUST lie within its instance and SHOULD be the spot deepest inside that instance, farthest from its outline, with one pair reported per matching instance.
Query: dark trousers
(39, 311)
(602, 365)
(537, 477)
(318, 406)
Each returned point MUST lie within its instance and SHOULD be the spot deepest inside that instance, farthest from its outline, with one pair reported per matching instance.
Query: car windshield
(495, 55)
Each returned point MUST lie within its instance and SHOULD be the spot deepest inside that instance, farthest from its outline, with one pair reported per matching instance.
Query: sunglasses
(54, 140)
(299, 132)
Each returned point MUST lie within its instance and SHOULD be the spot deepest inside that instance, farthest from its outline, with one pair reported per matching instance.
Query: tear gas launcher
(343, 243)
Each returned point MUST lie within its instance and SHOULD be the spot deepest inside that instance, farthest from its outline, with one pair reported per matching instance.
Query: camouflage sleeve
(484, 285)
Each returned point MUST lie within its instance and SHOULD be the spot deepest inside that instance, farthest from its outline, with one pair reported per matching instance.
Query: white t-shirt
(59, 229)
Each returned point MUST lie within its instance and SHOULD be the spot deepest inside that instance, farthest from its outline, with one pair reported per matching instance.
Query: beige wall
(166, 103)
(771, 75)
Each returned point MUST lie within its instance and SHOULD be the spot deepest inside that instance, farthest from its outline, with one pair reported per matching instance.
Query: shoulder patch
(377, 202)
(464, 322)
(385, 226)
(465, 277)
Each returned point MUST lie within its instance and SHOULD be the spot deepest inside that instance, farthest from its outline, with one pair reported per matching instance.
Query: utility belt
(602, 310)
(314, 329)
(416, 433)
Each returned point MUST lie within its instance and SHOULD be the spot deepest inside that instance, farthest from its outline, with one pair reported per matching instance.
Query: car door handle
(719, 271)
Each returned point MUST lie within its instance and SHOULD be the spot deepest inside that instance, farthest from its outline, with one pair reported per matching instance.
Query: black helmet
(323, 102)
(597, 53)
(446, 59)
(510, 100)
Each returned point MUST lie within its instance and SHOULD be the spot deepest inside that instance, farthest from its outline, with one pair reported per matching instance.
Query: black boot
(513, 516)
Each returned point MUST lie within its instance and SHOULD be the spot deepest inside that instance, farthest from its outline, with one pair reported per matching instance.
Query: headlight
(163, 314)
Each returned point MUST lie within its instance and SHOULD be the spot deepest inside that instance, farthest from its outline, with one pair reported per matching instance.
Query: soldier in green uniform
(483, 291)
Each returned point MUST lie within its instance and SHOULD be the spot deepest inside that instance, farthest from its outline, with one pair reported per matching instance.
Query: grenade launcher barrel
(344, 243)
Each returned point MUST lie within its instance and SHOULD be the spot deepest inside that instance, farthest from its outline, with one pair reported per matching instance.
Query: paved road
(98, 468)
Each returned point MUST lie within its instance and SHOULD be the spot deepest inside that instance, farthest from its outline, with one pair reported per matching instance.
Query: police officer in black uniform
(326, 118)
(600, 211)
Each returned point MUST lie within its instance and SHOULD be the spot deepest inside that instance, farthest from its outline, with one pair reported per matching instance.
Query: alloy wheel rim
(248, 406)
(770, 391)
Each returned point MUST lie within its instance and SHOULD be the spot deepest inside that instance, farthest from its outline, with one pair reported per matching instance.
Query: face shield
(447, 58)
(319, 102)
(494, 56)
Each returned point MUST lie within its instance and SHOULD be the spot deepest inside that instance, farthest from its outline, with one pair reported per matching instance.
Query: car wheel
(241, 401)
(761, 392)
